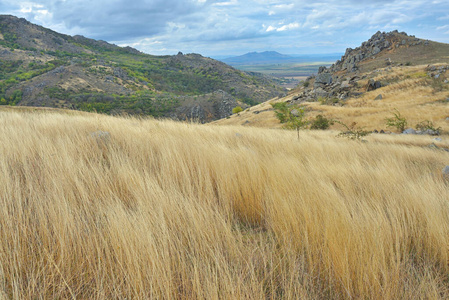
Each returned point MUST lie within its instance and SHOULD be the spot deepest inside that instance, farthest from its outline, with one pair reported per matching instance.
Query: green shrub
(237, 109)
(397, 121)
(321, 123)
(427, 125)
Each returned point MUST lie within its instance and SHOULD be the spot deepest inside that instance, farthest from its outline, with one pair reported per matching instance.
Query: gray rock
(438, 139)
(375, 51)
(409, 131)
(324, 78)
(295, 112)
(101, 137)
(373, 85)
(437, 76)
(345, 84)
(379, 97)
(446, 171)
(431, 132)
(319, 92)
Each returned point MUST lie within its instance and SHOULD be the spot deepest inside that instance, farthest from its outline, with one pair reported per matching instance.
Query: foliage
(427, 125)
(397, 121)
(321, 122)
(292, 116)
(237, 109)
(352, 131)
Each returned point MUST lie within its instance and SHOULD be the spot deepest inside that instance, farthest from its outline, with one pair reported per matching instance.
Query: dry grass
(410, 91)
(168, 210)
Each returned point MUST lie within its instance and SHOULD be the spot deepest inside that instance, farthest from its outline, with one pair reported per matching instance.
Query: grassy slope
(178, 210)
(410, 90)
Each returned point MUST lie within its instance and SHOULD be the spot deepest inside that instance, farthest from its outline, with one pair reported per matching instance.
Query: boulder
(446, 171)
(319, 92)
(345, 84)
(379, 97)
(375, 51)
(373, 85)
(430, 132)
(323, 78)
(102, 138)
(409, 131)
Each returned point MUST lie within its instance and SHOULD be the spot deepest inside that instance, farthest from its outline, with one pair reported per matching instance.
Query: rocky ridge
(341, 80)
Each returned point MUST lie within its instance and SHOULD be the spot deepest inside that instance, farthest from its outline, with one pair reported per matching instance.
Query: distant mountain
(40, 67)
(273, 57)
(257, 58)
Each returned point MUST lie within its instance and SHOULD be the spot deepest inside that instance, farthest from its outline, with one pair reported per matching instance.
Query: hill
(40, 67)
(104, 207)
(410, 75)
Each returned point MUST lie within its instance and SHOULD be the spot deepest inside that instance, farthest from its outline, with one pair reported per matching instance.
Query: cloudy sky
(233, 27)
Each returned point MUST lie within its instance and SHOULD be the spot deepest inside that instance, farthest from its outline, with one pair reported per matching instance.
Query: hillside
(40, 67)
(410, 75)
(102, 207)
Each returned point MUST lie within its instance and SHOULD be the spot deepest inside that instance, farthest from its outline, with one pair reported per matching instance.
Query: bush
(321, 122)
(427, 125)
(237, 109)
(397, 121)
(352, 132)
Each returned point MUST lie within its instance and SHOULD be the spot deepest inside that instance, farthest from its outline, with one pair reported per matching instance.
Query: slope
(409, 74)
(40, 67)
(103, 207)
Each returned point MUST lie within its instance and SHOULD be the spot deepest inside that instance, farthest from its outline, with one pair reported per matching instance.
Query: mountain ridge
(274, 57)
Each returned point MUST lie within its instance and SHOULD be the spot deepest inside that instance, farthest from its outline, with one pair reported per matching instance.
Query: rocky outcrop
(373, 85)
(379, 42)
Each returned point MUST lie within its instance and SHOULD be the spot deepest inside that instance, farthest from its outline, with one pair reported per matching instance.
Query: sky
(234, 27)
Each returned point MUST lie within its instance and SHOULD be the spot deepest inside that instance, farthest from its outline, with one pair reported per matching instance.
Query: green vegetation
(291, 116)
(427, 125)
(237, 109)
(110, 79)
(352, 132)
(397, 121)
(321, 122)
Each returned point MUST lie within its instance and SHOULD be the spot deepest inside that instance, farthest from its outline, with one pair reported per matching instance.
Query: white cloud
(289, 26)
(208, 26)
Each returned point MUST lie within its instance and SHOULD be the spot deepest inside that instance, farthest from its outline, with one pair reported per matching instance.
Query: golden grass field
(168, 210)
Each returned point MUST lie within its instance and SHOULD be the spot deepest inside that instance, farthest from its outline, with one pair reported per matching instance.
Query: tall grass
(182, 211)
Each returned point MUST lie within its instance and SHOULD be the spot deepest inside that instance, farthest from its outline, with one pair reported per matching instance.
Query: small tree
(397, 121)
(292, 116)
